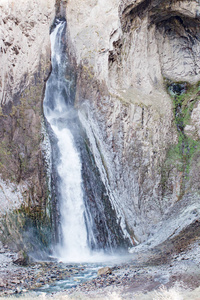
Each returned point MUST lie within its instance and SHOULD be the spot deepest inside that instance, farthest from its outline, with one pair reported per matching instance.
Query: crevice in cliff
(60, 8)
(128, 13)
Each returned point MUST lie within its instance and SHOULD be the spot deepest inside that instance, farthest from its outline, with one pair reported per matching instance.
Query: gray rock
(22, 259)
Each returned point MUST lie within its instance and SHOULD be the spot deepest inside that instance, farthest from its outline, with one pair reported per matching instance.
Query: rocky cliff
(24, 68)
(137, 95)
(138, 99)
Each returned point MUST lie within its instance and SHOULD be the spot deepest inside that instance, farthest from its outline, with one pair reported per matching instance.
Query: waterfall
(59, 112)
(87, 220)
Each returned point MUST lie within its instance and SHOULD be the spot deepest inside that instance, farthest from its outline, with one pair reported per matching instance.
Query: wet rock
(104, 271)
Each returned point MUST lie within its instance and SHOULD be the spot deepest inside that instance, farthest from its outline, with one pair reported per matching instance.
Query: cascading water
(59, 113)
(87, 219)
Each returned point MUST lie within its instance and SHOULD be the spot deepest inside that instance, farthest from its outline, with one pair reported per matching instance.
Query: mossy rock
(180, 157)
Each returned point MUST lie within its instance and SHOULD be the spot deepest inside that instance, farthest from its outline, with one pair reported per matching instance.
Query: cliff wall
(24, 68)
(138, 99)
(137, 65)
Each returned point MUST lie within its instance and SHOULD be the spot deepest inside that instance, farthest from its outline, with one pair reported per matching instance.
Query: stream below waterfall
(82, 273)
(74, 274)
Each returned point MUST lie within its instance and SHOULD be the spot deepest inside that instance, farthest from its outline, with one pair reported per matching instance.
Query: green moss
(180, 156)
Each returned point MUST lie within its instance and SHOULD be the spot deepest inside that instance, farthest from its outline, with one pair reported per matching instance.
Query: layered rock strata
(130, 54)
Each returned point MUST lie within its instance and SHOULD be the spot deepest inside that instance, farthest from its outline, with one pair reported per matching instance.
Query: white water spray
(74, 246)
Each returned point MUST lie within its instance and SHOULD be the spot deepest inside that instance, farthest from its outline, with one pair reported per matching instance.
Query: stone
(22, 259)
(104, 271)
(2, 284)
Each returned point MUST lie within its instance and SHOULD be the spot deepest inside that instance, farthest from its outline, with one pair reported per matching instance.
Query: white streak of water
(74, 246)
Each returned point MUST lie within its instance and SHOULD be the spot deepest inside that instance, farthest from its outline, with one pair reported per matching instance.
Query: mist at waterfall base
(75, 221)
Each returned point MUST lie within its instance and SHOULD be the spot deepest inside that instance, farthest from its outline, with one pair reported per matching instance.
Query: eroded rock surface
(24, 68)
(127, 52)
(130, 58)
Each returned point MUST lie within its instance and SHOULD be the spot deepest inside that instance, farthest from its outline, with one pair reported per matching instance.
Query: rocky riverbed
(146, 272)
(145, 276)
(16, 278)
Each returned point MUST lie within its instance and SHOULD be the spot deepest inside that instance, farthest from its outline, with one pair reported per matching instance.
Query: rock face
(24, 31)
(138, 99)
(130, 55)
(25, 65)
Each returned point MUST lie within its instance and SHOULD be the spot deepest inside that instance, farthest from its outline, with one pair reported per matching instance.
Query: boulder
(22, 258)
(104, 271)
